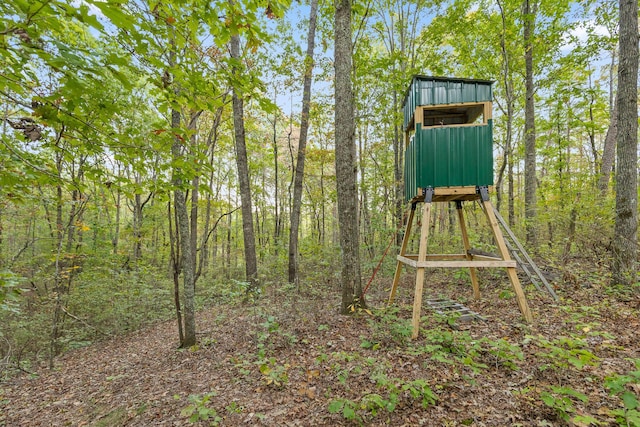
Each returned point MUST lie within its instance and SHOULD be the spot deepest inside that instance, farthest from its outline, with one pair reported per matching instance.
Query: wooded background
(158, 155)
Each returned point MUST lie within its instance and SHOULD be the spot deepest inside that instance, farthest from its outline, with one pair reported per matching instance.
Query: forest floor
(291, 360)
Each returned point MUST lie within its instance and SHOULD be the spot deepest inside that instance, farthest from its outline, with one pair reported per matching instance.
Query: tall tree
(346, 160)
(625, 238)
(529, 17)
(183, 225)
(606, 15)
(304, 129)
(242, 161)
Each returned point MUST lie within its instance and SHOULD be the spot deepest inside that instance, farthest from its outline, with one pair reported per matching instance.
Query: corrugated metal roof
(430, 90)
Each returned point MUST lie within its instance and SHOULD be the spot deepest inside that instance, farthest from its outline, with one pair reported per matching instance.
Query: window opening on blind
(464, 114)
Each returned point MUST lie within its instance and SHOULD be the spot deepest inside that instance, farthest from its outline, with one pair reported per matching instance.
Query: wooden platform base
(422, 260)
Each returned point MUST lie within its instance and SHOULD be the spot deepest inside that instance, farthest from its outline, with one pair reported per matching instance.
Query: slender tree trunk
(322, 205)
(137, 223)
(276, 198)
(251, 261)
(184, 230)
(304, 128)
(608, 152)
(591, 130)
(195, 195)
(175, 271)
(530, 210)
(625, 239)
(116, 231)
(228, 243)
(510, 102)
(346, 161)
(203, 261)
(183, 226)
(365, 216)
(398, 187)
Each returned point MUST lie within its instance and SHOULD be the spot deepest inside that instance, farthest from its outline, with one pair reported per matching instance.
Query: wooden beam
(410, 262)
(465, 263)
(450, 194)
(422, 256)
(403, 249)
(467, 246)
(454, 263)
(441, 191)
(436, 257)
(484, 257)
(511, 271)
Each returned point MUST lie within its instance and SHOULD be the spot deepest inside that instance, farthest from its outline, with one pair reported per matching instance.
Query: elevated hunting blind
(449, 134)
(449, 158)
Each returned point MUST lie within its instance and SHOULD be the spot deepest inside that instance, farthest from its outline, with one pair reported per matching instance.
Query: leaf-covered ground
(291, 360)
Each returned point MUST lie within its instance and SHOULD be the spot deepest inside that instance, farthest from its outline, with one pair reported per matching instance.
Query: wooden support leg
(511, 271)
(467, 246)
(422, 256)
(403, 250)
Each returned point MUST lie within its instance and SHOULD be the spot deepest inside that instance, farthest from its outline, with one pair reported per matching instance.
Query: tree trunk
(195, 195)
(137, 223)
(304, 128)
(529, 17)
(365, 216)
(183, 227)
(116, 230)
(608, 152)
(276, 183)
(625, 239)
(175, 271)
(398, 188)
(507, 75)
(251, 262)
(345, 161)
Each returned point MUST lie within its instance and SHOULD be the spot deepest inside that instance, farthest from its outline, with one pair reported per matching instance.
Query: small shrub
(620, 385)
(562, 399)
(347, 407)
(198, 410)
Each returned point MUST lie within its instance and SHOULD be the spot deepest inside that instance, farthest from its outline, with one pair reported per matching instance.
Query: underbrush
(90, 304)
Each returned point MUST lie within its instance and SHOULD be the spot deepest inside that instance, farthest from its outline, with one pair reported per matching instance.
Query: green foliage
(370, 345)
(198, 409)
(9, 292)
(100, 303)
(501, 352)
(444, 345)
(274, 373)
(234, 407)
(419, 389)
(621, 386)
(347, 407)
(562, 400)
(371, 404)
(564, 352)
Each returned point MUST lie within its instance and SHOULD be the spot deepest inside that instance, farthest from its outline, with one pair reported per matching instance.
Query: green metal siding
(442, 90)
(449, 156)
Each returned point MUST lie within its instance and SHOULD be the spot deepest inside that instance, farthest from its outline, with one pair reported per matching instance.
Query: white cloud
(580, 34)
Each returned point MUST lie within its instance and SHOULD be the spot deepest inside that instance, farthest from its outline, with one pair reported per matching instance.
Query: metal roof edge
(441, 78)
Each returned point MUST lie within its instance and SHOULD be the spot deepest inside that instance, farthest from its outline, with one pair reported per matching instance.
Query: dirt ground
(291, 360)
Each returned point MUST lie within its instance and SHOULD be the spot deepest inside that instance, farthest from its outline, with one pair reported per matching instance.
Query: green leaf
(548, 399)
(335, 406)
(585, 420)
(348, 412)
(265, 369)
(115, 15)
(630, 400)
